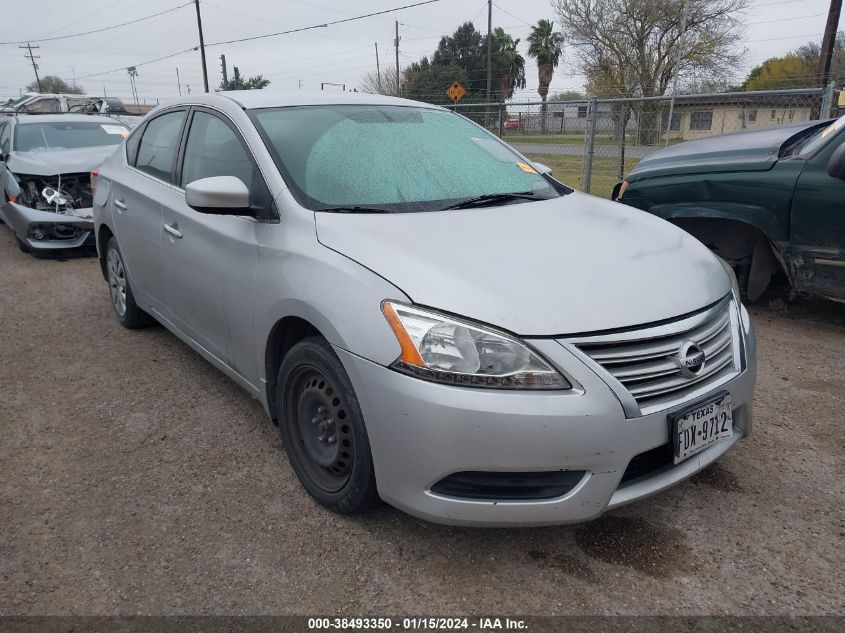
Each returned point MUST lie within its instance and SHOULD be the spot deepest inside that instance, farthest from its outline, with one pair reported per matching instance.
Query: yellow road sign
(455, 92)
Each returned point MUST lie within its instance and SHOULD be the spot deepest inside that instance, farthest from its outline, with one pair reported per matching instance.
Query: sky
(339, 54)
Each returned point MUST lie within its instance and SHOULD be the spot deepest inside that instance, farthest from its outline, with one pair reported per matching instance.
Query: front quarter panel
(299, 277)
(759, 198)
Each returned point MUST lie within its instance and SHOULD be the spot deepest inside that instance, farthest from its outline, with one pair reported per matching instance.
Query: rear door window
(159, 145)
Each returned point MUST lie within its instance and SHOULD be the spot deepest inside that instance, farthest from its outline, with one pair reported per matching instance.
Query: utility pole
(178, 83)
(489, 47)
(188, 86)
(202, 46)
(32, 58)
(828, 41)
(225, 74)
(378, 70)
(396, 46)
(237, 77)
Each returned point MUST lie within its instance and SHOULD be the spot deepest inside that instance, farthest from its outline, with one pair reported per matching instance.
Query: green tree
(462, 57)
(466, 49)
(253, 83)
(546, 45)
(567, 95)
(798, 68)
(425, 81)
(54, 84)
(812, 50)
(508, 64)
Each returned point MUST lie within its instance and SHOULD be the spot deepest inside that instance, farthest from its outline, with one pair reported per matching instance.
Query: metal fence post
(827, 101)
(590, 145)
(501, 120)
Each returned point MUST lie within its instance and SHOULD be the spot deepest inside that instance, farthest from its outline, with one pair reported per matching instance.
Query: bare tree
(384, 86)
(635, 47)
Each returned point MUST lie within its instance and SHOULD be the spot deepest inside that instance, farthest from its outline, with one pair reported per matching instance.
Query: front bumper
(420, 432)
(23, 219)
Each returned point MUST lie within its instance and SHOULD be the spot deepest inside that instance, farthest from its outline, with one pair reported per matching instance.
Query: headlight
(443, 349)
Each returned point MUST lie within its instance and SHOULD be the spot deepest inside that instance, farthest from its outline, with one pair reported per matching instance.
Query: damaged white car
(45, 176)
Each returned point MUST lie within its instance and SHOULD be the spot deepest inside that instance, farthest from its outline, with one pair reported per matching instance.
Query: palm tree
(508, 64)
(546, 45)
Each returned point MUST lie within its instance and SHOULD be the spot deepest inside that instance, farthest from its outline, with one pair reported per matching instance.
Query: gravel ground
(138, 479)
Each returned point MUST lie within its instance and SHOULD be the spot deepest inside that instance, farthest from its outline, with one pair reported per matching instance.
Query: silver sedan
(45, 176)
(428, 316)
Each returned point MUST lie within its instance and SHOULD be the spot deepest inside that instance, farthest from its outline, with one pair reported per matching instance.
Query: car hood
(61, 161)
(754, 150)
(563, 266)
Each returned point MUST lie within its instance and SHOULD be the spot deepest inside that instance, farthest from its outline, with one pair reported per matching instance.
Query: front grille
(646, 463)
(645, 362)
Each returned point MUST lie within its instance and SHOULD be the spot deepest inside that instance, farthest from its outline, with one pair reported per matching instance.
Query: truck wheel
(323, 429)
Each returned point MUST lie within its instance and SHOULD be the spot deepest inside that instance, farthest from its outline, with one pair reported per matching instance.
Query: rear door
(818, 225)
(211, 259)
(136, 203)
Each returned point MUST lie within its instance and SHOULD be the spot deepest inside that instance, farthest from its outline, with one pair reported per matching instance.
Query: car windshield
(43, 136)
(394, 158)
(815, 141)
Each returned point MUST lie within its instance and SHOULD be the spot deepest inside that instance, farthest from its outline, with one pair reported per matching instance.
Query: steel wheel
(323, 437)
(117, 282)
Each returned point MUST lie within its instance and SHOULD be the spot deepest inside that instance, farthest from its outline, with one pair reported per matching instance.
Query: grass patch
(568, 170)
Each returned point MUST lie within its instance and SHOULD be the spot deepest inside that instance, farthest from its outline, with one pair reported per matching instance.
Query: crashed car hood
(61, 161)
(755, 150)
(563, 266)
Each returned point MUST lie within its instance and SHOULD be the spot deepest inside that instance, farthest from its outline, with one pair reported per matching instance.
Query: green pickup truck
(764, 200)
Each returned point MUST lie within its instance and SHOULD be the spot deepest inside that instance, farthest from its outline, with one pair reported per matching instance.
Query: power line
(105, 28)
(150, 61)
(324, 25)
(256, 37)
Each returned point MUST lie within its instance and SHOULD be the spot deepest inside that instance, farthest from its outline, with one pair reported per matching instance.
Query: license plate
(701, 427)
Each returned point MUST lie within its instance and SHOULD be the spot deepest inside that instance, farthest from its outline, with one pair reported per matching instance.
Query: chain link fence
(592, 144)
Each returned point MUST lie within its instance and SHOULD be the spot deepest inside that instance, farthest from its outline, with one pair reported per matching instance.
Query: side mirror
(222, 195)
(836, 164)
(543, 169)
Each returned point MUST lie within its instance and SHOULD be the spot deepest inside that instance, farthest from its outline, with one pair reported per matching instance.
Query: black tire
(123, 301)
(323, 429)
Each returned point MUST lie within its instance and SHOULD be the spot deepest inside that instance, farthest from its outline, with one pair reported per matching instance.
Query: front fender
(761, 218)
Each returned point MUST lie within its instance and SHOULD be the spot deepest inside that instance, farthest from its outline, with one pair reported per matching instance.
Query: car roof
(23, 119)
(265, 98)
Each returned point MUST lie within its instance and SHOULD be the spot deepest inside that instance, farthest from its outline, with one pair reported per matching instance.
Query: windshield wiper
(479, 201)
(355, 209)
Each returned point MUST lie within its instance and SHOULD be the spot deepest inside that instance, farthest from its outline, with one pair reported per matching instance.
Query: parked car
(426, 315)
(513, 123)
(37, 103)
(766, 200)
(45, 176)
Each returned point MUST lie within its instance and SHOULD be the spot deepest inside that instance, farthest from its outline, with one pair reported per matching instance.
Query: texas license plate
(702, 426)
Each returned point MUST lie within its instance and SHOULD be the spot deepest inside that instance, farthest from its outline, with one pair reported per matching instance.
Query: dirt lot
(137, 479)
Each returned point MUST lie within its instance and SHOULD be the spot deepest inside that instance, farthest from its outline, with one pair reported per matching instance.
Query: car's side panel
(761, 198)
(298, 277)
(818, 226)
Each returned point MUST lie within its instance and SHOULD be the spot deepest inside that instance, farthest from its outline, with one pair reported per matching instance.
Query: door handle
(173, 229)
(119, 204)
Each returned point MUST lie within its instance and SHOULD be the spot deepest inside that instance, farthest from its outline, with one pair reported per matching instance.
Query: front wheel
(323, 428)
(123, 302)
